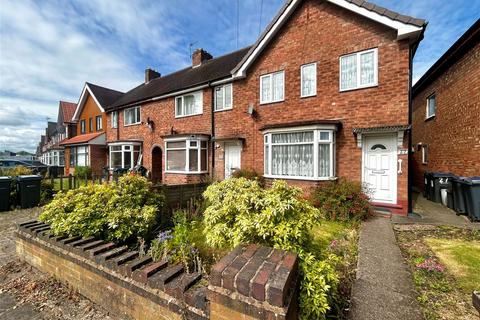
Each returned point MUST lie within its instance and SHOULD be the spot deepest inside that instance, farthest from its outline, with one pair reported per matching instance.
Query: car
(36, 166)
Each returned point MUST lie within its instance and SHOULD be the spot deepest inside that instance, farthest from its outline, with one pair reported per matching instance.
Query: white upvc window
(308, 80)
(300, 154)
(131, 116)
(359, 70)
(79, 156)
(114, 118)
(431, 106)
(424, 154)
(98, 123)
(186, 155)
(124, 155)
(272, 87)
(189, 104)
(224, 97)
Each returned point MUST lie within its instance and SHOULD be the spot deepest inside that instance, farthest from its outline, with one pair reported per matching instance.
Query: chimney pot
(200, 55)
(151, 74)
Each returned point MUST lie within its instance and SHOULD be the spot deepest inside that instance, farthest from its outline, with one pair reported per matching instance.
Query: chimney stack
(151, 74)
(200, 55)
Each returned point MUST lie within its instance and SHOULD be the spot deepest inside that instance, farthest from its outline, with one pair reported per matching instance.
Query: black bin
(438, 182)
(28, 189)
(471, 189)
(450, 202)
(5, 193)
(458, 195)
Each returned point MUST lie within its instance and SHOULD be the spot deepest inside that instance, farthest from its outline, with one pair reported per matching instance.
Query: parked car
(36, 166)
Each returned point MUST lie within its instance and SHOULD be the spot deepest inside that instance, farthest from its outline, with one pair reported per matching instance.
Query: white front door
(380, 167)
(232, 158)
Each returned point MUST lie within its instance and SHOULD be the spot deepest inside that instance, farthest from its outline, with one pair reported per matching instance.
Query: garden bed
(444, 263)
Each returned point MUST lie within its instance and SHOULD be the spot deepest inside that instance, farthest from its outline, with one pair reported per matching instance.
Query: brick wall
(453, 135)
(98, 158)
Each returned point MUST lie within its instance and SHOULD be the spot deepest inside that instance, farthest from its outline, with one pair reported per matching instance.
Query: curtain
(219, 105)
(278, 86)
(292, 160)
(293, 137)
(308, 80)
(265, 89)
(348, 72)
(228, 96)
(324, 160)
(367, 68)
(189, 104)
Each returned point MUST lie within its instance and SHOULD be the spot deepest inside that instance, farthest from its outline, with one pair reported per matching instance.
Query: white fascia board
(82, 100)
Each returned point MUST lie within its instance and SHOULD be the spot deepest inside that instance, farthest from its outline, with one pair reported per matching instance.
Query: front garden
(322, 229)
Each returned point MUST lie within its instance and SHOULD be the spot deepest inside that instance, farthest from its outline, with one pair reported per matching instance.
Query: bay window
(272, 87)
(124, 155)
(79, 156)
(223, 97)
(186, 155)
(359, 70)
(189, 104)
(131, 116)
(300, 154)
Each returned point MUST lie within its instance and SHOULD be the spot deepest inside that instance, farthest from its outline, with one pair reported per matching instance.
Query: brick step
(42, 229)
(160, 279)
(119, 261)
(27, 223)
(92, 253)
(82, 241)
(87, 246)
(66, 241)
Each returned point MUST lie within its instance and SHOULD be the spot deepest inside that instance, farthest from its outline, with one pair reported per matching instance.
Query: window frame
(358, 67)
(98, 124)
(198, 93)
(187, 149)
(223, 88)
(429, 98)
(74, 155)
(268, 145)
(114, 119)
(302, 95)
(424, 153)
(123, 150)
(270, 76)
(83, 126)
(139, 120)
(90, 124)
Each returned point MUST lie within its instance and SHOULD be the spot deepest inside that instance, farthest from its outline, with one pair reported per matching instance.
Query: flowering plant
(430, 265)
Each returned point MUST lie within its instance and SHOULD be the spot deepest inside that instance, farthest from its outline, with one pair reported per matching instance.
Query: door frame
(393, 137)
(231, 144)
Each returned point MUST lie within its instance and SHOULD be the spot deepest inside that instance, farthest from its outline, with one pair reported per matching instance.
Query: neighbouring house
(446, 111)
(87, 148)
(323, 93)
(57, 132)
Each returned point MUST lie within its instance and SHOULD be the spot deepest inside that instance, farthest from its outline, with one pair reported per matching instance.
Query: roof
(51, 128)
(83, 138)
(68, 109)
(467, 41)
(210, 70)
(101, 95)
(407, 27)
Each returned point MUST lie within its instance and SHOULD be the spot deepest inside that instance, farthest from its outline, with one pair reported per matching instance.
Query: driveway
(26, 293)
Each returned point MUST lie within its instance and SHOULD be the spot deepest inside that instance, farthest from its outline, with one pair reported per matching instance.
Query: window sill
(309, 96)
(185, 172)
(359, 88)
(300, 178)
(132, 124)
(190, 115)
(221, 110)
(272, 102)
(429, 118)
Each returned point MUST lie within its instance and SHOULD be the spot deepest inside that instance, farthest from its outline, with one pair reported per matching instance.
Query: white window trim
(194, 93)
(424, 154)
(122, 151)
(222, 87)
(98, 127)
(302, 95)
(428, 116)
(187, 154)
(270, 76)
(114, 119)
(83, 126)
(134, 123)
(357, 55)
(316, 141)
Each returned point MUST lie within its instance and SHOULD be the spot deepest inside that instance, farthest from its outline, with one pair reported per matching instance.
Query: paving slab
(383, 288)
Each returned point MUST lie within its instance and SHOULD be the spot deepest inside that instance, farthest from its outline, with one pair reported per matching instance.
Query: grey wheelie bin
(28, 188)
(438, 182)
(471, 189)
(458, 195)
(5, 193)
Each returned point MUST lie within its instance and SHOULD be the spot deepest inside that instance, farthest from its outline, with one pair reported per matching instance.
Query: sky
(49, 48)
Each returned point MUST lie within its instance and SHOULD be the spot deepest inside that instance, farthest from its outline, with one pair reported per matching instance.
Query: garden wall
(251, 282)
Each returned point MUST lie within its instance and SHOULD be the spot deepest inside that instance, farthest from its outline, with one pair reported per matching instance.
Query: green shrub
(342, 200)
(249, 174)
(240, 211)
(119, 212)
(83, 172)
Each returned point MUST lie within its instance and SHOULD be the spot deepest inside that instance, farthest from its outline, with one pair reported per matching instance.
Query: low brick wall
(251, 282)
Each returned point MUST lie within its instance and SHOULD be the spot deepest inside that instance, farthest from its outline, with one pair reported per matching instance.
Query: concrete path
(433, 213)
(383, 289)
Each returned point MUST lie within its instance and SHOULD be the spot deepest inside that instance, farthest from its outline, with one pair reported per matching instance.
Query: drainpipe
(212, 115)
(410, 153)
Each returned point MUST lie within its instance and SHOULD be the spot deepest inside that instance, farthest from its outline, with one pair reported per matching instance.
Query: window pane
(137, 112)
(228, 96)
(193, 160)
(176, 144)
(176, 160)
(204, 144)
(324, 136)
(367, 68)
(324, 160)
(308, 80)
(179, 106)
(431, 106)
(292, 160)
(266, 162)
(127, 158)
(116, 148)
(219, 98)
(135, 158)
(189, 102)
(266, 90)
(193, 144)
(203, 159)
(278, 86)
(348, 72)
(116, 159)
(292, 137)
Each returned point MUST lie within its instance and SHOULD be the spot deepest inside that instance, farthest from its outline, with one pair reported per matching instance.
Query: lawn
(445, 266)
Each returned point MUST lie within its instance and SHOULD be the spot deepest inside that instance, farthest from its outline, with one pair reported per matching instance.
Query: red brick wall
(453, 135)
(98, 158)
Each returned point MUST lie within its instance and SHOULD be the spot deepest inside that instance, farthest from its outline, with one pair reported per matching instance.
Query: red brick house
(446, 111)
(323, 93)
(87, 148)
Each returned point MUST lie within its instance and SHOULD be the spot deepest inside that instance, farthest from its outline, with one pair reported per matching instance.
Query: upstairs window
(189, 104)
(90, 124)
(223, 97)
(308, 75)
(186, 155)
(114, 118)
(272, 88)
(98, 123)
(431, 106)
(131, 116)
(83, 126)
(359, 70)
